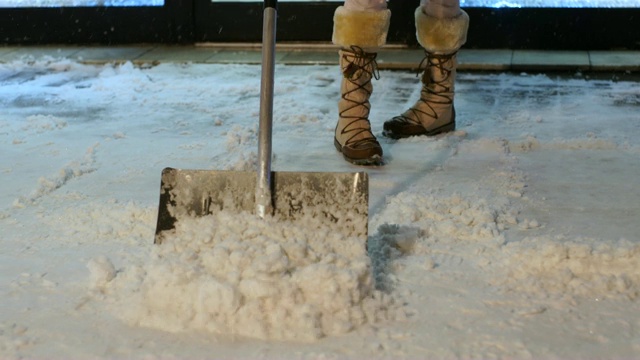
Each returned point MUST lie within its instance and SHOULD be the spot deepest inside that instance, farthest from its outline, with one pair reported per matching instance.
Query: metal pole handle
(264, 201)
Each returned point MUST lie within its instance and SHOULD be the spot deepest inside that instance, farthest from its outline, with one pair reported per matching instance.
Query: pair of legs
(360, 28)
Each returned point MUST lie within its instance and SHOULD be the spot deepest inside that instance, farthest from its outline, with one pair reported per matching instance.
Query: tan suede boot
(434, 112)
(353, 136)
(360, 33)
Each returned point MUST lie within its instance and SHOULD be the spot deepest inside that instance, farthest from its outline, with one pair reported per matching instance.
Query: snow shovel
(340, 200)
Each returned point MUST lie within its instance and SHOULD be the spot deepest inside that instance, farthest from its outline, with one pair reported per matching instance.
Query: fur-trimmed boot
(360, 34)
(434, 112)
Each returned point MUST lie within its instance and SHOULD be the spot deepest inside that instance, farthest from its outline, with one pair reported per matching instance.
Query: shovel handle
(264, 200)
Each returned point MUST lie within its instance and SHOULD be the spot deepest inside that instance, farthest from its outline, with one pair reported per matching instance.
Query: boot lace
(434, 92)
(362, 66)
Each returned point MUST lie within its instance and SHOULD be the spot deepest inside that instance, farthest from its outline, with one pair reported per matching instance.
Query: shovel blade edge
(340, 200)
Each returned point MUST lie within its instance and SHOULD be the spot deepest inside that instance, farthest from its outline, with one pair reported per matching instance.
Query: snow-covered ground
(515, 236)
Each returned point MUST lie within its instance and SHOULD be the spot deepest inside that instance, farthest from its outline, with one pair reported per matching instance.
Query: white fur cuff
(441, 36)
(366, 29)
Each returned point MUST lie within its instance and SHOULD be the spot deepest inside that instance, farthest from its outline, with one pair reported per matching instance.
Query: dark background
(187, 22)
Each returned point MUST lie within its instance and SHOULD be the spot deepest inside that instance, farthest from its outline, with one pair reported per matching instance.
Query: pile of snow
(47, 185)
(237, 274)
(566, 267)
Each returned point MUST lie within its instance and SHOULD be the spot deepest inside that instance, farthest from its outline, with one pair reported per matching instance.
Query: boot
(360, 34)
(434, 112)
(353, 136)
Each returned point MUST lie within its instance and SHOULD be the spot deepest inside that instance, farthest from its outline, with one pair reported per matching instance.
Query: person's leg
(441, 29)
(359, 28)
(365, 5)
(441, 9)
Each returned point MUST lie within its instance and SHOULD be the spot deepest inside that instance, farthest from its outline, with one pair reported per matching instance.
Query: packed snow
(514, 236)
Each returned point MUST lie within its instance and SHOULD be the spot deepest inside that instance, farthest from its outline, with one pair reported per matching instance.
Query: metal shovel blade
(339, 199)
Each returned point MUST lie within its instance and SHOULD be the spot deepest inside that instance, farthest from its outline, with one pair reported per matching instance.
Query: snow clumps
(572, 267)
(237, 274)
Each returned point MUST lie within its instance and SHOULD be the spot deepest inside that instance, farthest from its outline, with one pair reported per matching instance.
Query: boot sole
(375, 160)
(437, 131)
